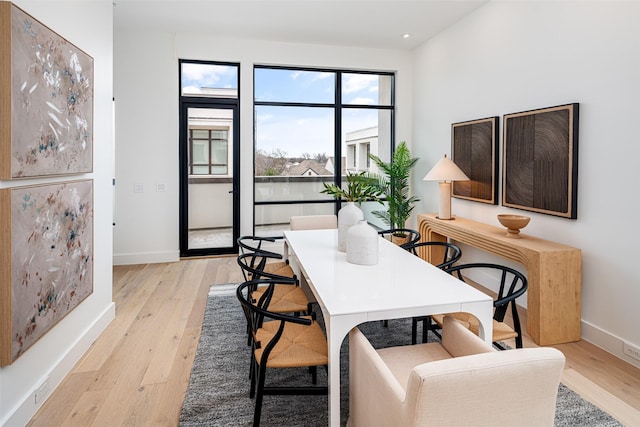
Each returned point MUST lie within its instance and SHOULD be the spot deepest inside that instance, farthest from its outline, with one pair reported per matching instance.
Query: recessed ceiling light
(406, 36)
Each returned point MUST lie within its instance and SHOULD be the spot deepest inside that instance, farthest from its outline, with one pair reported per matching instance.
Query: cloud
(362, 101)
(208, 75)
(294, 133)
(357, 82)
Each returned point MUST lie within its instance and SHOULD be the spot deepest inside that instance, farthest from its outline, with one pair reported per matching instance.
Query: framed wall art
(46, 100)
(46, 259)
(540, 169)
(474, 148)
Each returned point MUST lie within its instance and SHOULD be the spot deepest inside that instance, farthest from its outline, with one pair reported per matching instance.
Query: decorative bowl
(513, 223)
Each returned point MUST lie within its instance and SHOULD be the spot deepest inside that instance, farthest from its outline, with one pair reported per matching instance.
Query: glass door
(209, 187)
(209, 162)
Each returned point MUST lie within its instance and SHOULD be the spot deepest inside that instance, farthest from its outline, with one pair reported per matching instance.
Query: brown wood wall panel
(540, 160)
(474, 150)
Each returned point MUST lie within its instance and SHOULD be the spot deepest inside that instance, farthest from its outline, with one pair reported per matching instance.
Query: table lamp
(445, 171)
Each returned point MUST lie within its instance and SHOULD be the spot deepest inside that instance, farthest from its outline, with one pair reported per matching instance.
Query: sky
(294, 130)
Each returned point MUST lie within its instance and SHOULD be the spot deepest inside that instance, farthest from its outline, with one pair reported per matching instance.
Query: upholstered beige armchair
(461, 382)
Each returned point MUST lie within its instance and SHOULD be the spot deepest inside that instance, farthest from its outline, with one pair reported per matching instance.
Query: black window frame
(338, 109)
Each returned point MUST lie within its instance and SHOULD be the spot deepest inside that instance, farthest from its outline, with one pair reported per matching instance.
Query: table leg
(334, 380)
(337, 331)
(484, 313)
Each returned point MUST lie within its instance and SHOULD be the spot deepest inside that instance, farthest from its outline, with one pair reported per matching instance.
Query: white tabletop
(400, 285)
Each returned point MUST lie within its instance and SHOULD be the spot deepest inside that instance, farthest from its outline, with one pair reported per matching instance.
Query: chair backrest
(403, 237)
(450, 252)
(488, 389)
(314, 222)
(512, 285)
(252, 265)
(256, 311)
(471, 386)
(251, 244)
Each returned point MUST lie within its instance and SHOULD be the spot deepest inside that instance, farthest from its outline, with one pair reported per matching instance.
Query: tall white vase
(362, 244)
(347, 216)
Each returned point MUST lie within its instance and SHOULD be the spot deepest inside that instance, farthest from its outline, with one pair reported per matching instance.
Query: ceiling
(361, 23)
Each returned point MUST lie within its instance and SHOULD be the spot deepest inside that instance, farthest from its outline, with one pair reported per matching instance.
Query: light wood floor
(137, 372)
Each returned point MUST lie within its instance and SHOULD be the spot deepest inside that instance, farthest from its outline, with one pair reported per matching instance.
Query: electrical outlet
(42, 391)
(631, 350)
(138, 188)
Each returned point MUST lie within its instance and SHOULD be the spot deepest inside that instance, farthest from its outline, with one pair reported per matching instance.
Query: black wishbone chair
(403, 237)
(288, 296)
(275, 265)
(279, 341)
(450, 255)
(512, 284)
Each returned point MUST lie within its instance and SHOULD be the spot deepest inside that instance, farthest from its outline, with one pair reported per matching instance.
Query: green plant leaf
(393, 182)
(361, 187)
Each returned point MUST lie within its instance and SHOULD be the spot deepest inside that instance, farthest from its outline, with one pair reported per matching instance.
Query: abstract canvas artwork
(540, 170)
(46, 259)
(46, 100)
(474, 149)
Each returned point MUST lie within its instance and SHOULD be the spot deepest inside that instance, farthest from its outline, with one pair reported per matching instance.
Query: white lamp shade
(445, 170)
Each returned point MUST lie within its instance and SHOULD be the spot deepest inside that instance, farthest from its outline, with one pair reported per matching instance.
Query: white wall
(146, 92)
(89, 25)
(514, 56)
(146, 115)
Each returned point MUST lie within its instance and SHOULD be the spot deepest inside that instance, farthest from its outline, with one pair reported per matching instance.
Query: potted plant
(393, 182)
(360, 187)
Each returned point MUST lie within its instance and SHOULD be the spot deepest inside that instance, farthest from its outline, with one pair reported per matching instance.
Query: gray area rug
(218, 393)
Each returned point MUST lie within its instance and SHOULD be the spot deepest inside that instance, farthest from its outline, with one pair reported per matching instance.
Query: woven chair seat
(501, 331)
(285, 299)
(299, 346)
(280, 268)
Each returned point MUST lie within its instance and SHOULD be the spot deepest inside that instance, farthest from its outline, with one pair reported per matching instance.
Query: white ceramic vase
(348, 216)
(362, 244)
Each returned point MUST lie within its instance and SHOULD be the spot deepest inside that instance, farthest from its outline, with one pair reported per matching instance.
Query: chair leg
(251, 369)
(255, 370)
(260, 394)
(425, 329)
(519, 341)
(414, 332)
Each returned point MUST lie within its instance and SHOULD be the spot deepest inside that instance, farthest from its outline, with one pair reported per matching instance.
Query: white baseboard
(146, 258)
(27, 408)
(606, 341)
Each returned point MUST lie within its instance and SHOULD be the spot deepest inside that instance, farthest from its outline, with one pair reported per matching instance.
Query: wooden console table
(554, 273)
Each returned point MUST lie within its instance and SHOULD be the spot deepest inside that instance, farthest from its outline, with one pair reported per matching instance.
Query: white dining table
(400, 285)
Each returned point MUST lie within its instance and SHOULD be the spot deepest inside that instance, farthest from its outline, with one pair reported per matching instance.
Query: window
(209, 151)
(311, 127)
(208, 80)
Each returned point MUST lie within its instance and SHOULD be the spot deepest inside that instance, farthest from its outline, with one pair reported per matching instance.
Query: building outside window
(209, 151)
